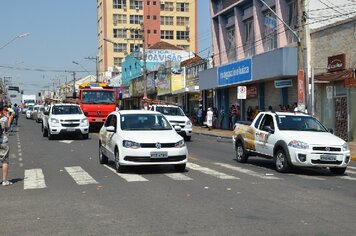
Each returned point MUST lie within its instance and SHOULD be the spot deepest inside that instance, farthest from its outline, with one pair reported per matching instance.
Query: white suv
(64, 118)
(176, 117)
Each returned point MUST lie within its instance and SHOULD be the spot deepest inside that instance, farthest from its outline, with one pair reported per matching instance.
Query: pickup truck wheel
(44, 131)
(102, 158)
(119, 168)
(50, 136)
(337, 171)
(281, 162)
(241, 153)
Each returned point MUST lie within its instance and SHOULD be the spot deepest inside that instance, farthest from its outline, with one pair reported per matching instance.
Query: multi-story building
(125, 25)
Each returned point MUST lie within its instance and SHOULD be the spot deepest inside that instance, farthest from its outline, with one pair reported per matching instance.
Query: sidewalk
(228, 134)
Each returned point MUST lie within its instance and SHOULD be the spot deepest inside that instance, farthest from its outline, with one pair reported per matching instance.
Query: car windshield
(299, 123)
(144, 122)
(65, 110)
(171, 111)
(98, 97)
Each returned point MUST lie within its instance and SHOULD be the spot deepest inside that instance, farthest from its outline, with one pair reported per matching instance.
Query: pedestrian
(16, 111)
(233, 116)
(209, 118)
(200, 115)
(4, 151)
(221, 117)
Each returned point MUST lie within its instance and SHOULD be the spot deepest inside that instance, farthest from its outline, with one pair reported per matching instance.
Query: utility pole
(303, 80)
(144, 61)
(97, 66)
(74, 95)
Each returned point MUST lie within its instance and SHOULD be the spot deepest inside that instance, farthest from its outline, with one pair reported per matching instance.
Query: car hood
(164, 136)
(176, 118)
(69, 117)
(313, 138)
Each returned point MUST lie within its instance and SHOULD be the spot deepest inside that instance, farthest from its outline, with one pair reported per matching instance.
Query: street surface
(61, 189)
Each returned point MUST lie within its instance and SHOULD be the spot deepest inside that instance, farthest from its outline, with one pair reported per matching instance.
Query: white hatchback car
(140, 137)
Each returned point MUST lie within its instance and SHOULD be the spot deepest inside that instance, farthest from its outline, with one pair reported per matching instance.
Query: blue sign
(235, 73)
(283, 83)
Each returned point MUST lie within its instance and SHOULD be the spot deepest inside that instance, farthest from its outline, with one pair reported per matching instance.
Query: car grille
(326, 162)
(149, 159)
(153, 145)
(178, 122)
(70, 123)
(327, 149)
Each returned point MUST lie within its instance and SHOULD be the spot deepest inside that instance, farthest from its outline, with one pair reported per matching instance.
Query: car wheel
(44, 131)
(241, 153)
(337, 171)
(102, 158)
(180, 167)
(50, 136)
(281, 161)
(85, 136)
(119, 168)
(187, 138)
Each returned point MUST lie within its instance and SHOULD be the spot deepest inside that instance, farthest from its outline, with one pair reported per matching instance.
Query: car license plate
(70, 129)
(325, 157)
(159, 154)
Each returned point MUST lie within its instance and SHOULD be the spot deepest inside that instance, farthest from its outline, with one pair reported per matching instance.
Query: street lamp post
(96, 64)
(18, 36)
(77, 63)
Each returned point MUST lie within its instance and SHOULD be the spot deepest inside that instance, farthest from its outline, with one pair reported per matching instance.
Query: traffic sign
(241, 92)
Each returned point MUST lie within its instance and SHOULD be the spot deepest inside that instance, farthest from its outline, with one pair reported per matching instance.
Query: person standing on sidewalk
(4, 151)
(209, 118)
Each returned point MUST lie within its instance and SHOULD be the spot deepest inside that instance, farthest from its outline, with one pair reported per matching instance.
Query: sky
(64, 31)
(59, 32)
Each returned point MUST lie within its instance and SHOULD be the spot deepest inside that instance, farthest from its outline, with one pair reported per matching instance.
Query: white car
(29, 112)
(64, 118)
(140, 137)
(176, 117)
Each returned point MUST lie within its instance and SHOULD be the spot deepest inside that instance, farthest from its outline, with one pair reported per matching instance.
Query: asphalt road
(61, 189)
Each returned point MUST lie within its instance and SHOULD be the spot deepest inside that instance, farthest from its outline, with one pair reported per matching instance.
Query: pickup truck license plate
(326, 157)
(159, 154)
(70, 129)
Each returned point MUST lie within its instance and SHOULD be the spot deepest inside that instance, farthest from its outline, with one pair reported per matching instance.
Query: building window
(148, 31)
(119, 19)
(166, 6)
(292, 21)
(182, 7)
(135, 34)
(155, 31)
(182, 35)
(135, 47)
(136, 19)
(249, 38)
(155, 17)
(166, 20)
(167, 34)
(183, 21)
(154, 3)
(136, 4)
(270, 31)
(119, 4)
(231, 44)
(148, 3)
(148, 17)
(120, 47)
(119, 33)
(118, 61)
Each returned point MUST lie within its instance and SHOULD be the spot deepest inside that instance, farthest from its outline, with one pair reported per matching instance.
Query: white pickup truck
(64, 118)
(291, 139)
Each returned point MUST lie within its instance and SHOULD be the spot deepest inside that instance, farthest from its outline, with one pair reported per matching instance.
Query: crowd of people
(9, 116)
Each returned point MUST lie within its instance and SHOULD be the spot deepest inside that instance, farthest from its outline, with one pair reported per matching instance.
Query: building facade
(123, 23)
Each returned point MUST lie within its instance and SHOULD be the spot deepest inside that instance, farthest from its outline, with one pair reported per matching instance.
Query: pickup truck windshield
(98, 97)
(299, 123)
(65, 110)
(144, 122)
(170, 111)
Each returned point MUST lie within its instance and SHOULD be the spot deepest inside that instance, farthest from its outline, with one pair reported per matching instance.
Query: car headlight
(188, 122)
(84, 122)
(54, 122)
(345, 147)
(180, 144)
(298, 144)
(130, 144)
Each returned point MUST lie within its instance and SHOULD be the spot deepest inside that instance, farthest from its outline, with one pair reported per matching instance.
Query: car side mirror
(331, 131)
(177, 128)
(110, 129)
(268, 129)
(46, 113)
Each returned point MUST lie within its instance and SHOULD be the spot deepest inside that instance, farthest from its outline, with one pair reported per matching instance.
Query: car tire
(187, 138)
(281, 162)
(119, 168)
(337, 171)
(180, 167)
(241, 153)
(44, 131)
(85, 136)
(102, 158)
(49, 135)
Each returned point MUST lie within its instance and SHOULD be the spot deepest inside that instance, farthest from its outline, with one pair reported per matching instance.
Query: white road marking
(128, 177)
(178, 176)
(66, 141)
(351, 167)
(19, 146)
(346, 177)
(308, 177)
(350, 171)
(80, 176)
(246, 171)
(211, 172)
(34, 179)
(20, 154)
(20, 159)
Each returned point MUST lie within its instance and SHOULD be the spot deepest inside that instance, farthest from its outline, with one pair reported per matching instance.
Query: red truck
(97, 100)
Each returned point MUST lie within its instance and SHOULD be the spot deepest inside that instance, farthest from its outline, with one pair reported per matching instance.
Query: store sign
(234, 73)
(252, 91)
(337, 62)
(241, 92)
(283, 83)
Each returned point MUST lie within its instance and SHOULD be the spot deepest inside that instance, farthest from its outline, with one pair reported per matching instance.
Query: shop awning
(333, 76)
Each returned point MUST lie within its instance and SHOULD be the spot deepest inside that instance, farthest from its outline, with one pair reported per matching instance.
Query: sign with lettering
(234, 73)
(283, 83)
(252, 91)
(336, 63)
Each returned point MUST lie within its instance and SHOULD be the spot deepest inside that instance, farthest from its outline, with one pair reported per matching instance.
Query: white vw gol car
(140, 137)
